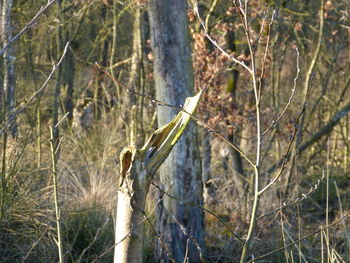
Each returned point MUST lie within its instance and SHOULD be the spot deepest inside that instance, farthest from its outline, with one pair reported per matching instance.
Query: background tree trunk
(1, 78)
(181, 171)
(237, 163)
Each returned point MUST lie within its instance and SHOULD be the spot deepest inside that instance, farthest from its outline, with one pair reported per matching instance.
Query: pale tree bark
(181, 172)
(135, 76)
(9, 87)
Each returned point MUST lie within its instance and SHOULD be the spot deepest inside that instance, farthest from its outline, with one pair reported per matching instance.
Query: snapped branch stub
(159, 145)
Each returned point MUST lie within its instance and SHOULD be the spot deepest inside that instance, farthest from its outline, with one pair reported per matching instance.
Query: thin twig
(63, 118)
(27, 26)
(204, 209)
(55, 195)
(93, 241)
(183, 230)
(241, 63)
(285, 156)
(301, 239)
(36, 93)
(274, 122)
(210, 11)
(297, 200)
(33, 246)
(263, 65)
(254, 211)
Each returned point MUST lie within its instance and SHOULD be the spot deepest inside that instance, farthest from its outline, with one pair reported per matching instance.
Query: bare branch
(203, 208)
(301, 239)
(36, 93)
(263, 65)
(33, 246)
(93, 241)
(324, 130)
(285, 156)
(195, 8)
(210, 11)
(183, 230)
(27, 26)
(274, 122)
(297, 200)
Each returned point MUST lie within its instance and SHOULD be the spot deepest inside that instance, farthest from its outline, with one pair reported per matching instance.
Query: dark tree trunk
(237, 163)
(208, 187)
(68, 82)
(181, 172)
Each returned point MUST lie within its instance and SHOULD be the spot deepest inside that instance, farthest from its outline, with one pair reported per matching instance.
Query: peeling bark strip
(137, 167)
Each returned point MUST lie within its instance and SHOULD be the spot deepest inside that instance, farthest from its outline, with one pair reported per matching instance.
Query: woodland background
(304, 126)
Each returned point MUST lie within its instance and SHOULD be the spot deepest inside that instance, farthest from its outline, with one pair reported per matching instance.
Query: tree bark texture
(9, 68)
(131, 202)
(181, 172)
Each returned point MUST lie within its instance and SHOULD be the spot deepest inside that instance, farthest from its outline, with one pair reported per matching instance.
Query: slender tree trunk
(9, 69)
(237, 163)
(98, 93)
(2, 100)
(135, 76)
(181, 172)
(29, 51)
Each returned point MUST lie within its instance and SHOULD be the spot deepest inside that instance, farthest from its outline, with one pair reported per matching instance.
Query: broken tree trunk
(137, 167)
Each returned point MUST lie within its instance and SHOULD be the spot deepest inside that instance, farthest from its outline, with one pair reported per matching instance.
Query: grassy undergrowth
(87, 197)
